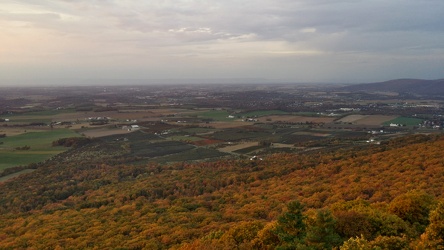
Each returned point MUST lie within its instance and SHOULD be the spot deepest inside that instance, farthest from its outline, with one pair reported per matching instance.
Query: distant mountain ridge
(410, 86)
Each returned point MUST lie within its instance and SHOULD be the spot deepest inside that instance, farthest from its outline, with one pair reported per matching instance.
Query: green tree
(321, 232)
(291, 228)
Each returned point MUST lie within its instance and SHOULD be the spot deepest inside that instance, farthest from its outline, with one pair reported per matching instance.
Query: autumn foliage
(388, 196)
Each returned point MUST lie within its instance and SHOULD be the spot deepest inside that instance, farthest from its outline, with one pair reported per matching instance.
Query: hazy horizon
(302, 41)
(141, 82)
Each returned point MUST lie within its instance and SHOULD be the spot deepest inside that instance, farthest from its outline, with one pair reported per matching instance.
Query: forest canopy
(387, 196)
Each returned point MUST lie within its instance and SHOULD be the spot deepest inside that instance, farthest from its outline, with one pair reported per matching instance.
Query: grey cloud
(353, 32)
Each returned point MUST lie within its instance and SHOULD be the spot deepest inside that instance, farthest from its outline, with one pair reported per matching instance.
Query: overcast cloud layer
(272, 40)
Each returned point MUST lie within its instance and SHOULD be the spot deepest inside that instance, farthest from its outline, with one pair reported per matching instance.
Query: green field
(38, 116)
(48, 113)
(405, 121)
(215, 115)
(40, 144)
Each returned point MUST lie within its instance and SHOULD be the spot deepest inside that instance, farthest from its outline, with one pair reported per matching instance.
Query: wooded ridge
(388, 196)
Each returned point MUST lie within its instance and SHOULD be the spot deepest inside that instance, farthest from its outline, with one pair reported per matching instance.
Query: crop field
(36, 140)
(249, 150)
(375, 119)
(185, 138)
(12, 159)
(295, 119)
(226, 125)
(351, 118)
(408, 121)
(318, 133)
(215, 115)
(351, 134)
(13, 131)
(238, 146)
(260, 113)
(169, 132)
(198, 130)
(367, 119)
(39, 143)
(147, 149)
(135, 136)
(157, 127)
(310, 114)
(205, 142)
(104, 131)
(243, 133)
(28, 120)
(40, 116)
(298, 138)
(118, 115)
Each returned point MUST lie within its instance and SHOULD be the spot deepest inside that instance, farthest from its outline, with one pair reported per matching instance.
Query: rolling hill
(402, 86)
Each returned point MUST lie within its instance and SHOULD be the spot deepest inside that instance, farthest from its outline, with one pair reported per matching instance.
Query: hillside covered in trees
(403, 86)
(387, 196)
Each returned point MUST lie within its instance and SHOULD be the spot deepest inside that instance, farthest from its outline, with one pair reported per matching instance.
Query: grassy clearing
(11, 159)
(36, 140)
(40, 144)
(405, 121)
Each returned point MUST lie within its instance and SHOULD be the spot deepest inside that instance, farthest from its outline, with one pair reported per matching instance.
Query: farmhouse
(133, 127)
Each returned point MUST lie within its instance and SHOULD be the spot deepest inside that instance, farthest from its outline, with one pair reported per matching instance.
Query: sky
(341, 41)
